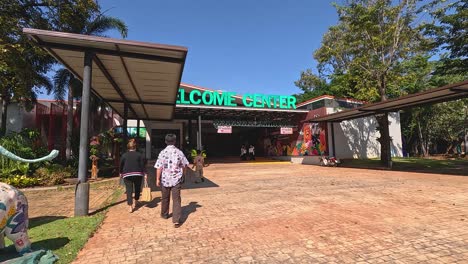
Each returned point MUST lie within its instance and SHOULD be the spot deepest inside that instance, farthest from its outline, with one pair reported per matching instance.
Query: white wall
(357, 138)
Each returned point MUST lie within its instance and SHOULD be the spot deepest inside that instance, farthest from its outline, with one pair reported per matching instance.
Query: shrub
(52, 174)
(25, 145)
(21, 181)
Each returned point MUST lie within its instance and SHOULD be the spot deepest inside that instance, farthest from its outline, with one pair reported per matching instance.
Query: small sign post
(225, 129)
(286, 130)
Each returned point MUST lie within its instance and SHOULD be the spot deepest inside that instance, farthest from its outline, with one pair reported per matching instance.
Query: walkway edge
(63, 186)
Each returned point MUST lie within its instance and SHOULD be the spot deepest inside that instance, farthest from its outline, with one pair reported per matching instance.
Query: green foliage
(23, 66)
(380, 49)
(435, 127)
(21, 181)
(86, 18)
(311, 85)
(24, 144)
(52, 174)
(362, 55)
(193, 153)
(448, 32)
(94, 146)
(17, 144)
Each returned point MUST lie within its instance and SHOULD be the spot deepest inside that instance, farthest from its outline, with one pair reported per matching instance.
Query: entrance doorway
(225, 145)
(158, 141)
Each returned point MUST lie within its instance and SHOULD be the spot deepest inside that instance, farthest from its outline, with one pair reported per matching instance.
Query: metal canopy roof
(146, 76)
(442, 94)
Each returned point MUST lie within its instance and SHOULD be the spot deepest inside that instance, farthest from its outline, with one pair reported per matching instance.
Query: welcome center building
(221, 122)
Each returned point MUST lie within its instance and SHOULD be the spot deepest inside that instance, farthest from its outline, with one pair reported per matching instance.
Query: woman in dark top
(132, 170)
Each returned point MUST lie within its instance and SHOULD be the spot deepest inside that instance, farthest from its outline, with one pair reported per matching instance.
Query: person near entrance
(132, 169)
(243, 154)
(198, 163)
(170, 169)
(252, 152)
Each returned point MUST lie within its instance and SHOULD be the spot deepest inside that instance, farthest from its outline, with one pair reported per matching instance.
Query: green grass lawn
(446, 166)
(64, 236)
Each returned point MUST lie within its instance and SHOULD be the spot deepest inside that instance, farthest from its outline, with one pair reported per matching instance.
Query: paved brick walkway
(62, 202)
(284, 213)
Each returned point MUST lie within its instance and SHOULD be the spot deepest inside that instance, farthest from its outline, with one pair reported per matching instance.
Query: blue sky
(239, 46)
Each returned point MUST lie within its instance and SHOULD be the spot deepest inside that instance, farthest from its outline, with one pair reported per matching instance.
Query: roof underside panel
(161, 109)
(154, 80)
(442, 94)
(146, 76)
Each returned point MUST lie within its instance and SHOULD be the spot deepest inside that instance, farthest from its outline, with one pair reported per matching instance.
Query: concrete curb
(53, 188)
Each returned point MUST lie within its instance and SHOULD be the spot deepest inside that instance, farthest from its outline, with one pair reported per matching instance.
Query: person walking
(132, 170)
(198, 164)
(252, 152)
(170, 168)
(243, 154)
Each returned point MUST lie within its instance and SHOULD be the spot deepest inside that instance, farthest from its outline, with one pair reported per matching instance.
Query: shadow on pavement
(234, 159)
(189, 183)
(187, 210)
(154, 203)
(106, 207)
(447, 167)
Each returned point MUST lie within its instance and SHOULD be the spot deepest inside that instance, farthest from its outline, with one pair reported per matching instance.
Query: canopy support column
(82, 187)
(190, 143)
(333, 139)
(124, 128)
(138, 129)
(199, 137)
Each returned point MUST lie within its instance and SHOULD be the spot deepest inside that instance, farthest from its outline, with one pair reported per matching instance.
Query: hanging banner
(225, 129)
(286, 130)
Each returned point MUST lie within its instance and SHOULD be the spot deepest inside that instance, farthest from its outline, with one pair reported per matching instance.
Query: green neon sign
(215, 98)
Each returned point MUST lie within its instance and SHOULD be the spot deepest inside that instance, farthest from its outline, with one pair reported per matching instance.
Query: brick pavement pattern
(285, 213)
(62, 202)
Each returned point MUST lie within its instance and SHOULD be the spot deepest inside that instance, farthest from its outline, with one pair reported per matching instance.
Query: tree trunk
(382, 120)
(69, 123)
(385, 148)
(4, 107)
(450, 148)
(421, 142)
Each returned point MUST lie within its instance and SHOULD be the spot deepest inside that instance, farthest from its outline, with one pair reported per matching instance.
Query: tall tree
(311, 85)
(433, 127)
(23, 67)
(363, 54)
(89, 20)
(448, 31)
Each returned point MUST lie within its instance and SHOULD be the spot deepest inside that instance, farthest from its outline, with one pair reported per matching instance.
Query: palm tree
(65, 81)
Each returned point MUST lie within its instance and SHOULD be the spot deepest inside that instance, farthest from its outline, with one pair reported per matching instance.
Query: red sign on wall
(225, 129)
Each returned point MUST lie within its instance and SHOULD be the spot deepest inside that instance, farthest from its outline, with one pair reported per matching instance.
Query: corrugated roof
(442, 94)
(144, 75)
